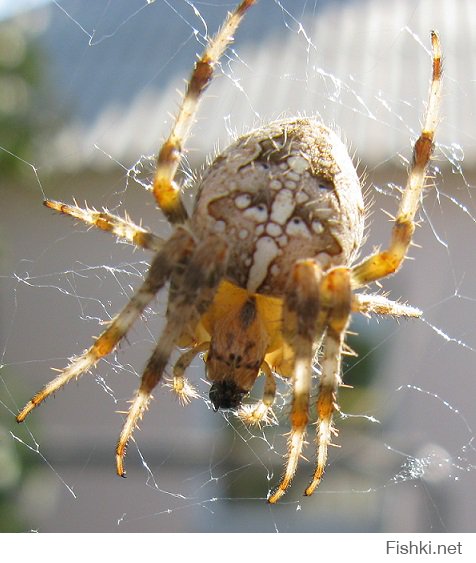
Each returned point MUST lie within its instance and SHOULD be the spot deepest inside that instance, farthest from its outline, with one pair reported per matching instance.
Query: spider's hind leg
(388, 261)
(166, 191)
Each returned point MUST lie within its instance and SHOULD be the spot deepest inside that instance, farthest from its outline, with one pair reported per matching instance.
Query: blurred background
(87, 91)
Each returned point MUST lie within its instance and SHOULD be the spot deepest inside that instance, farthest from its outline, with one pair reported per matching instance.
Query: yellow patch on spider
(229, 301)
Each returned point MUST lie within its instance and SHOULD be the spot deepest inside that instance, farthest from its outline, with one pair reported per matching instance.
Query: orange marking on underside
(228, 303)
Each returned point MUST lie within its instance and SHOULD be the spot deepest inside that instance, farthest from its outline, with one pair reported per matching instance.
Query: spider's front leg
(123, 228)
(261, 412)
(336, 301)
(180, 384)
(302, 326)
(177, 248)
(192, 294)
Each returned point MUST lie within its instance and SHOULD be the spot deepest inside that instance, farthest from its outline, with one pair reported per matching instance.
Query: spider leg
(187, 303)
(301, 324)
(336, 300)
(388, 261)
(166, 191)
(260, 412)
(178, 247)
(381, 305)
(180, 384)
(122, 228)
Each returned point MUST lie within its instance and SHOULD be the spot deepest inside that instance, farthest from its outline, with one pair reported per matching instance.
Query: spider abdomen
(284, 192)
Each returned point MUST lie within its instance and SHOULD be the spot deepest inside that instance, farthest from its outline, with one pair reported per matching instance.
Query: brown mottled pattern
(308, 161)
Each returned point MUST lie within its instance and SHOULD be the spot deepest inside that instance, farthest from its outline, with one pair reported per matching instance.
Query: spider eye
(226, 394)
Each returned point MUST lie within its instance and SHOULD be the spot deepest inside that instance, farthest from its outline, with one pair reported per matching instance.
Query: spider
(262, 274)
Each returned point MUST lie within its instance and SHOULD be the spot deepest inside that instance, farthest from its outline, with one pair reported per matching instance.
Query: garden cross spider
(261, 275)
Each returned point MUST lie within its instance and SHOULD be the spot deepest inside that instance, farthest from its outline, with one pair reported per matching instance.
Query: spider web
(407, 456)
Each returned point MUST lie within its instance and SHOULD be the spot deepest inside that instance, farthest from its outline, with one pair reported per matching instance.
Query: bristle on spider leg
(299, 418)
(295, 445)
(136, 411)
(259, 415)
(262, 412)
(183, 389)
(325, 431)
(153, 373)
(79, 365)
(104, 345)
(336, 294)
(380, 305)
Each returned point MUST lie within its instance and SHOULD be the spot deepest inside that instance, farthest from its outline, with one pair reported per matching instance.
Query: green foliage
(22, 98)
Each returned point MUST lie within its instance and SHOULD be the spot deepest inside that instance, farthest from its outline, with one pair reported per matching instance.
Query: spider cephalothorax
(235, 355)
(261, 275)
